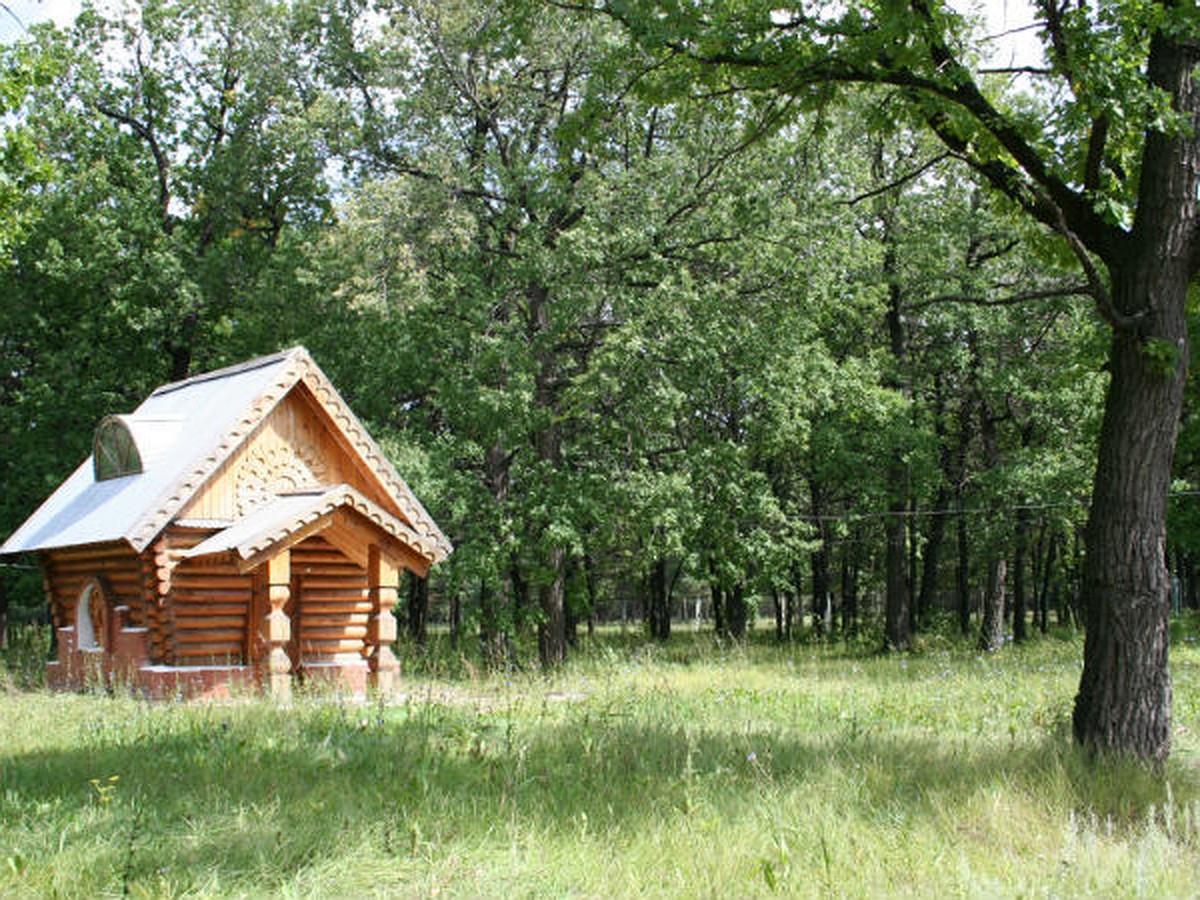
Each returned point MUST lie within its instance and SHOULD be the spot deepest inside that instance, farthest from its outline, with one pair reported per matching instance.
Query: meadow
(694, 769)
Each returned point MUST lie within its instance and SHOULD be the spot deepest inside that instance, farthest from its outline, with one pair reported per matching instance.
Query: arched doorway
(91, 617)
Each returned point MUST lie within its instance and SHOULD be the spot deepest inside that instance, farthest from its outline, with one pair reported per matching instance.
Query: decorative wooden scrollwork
(268, 472)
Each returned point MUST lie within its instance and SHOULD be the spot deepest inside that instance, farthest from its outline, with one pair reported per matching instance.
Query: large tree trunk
(1124, 700)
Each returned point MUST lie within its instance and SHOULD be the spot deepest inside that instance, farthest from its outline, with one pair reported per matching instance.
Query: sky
(16, 14)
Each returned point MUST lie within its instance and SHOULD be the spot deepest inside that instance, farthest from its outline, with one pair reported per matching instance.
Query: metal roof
(184, 432)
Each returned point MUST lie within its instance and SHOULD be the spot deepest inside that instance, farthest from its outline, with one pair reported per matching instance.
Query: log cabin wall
(206, 604)
(117, 566)
(292, 448)
(334, 605)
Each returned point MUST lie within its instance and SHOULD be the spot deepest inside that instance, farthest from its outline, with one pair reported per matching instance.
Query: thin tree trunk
(849, 595)
(1020, 553)
(962, 573)
(418, 609)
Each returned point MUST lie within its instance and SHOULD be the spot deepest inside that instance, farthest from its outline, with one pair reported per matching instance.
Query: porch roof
(292, 517)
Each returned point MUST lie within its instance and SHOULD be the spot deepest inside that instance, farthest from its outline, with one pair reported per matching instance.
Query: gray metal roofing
(181, 422)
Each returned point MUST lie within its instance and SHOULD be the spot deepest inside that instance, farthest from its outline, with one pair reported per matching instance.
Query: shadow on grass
(254, 792)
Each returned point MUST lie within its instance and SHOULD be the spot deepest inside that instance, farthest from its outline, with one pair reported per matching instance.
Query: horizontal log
(210, 609)
(111, 551)
(345, 633)
(194, 622)
(104, 568)
(336, 588)
(320, 557)
(331, 646)
(233, 636)
(221, 654)
(216, 579)
(321, 609)
(212, 595)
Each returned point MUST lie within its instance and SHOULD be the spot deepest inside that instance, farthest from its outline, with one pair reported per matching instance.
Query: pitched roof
(184, 431)
(291, 517)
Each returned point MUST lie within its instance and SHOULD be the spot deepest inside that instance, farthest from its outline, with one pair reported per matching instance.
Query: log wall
(66, 572)
(206, 604)
(334, 605)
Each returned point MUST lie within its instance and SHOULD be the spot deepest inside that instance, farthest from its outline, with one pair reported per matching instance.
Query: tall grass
(693, 769)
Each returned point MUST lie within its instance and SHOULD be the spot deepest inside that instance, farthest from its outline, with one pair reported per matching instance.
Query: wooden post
(277, 627)
(383, 580)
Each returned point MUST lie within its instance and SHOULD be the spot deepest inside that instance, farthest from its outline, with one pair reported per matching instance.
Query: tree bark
(1124, 700)
(991, 628)
(962, 573)
(418, 609)
(659, 605)
(737, 612)
(849, 595)
(1020, 556)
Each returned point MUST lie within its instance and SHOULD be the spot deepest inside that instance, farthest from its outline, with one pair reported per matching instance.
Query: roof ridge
(228, 371)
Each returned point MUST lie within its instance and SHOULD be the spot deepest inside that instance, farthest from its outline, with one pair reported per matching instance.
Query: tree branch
(899, 182)
(1069, 290)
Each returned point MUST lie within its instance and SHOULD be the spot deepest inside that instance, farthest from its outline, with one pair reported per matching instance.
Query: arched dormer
(114, 451)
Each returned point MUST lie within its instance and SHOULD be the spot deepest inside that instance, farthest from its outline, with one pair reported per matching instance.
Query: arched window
(115, 452)
(91, 617)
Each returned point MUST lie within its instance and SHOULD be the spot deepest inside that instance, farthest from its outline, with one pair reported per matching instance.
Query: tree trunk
(896, 635)
(659, 603)
(933, 553)
(552, 632)
(552, 629)
(1020, 555)
(991, 629)
(455, 619)
(962, 574)
(418, 609)
(1124, 700)
(821, 584)
(849, 595)
(737, 613)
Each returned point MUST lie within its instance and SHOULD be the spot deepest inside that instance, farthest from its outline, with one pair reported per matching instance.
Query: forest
(764, 315)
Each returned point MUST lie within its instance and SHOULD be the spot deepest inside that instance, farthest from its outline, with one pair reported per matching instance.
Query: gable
(276, 419)
(294, 448)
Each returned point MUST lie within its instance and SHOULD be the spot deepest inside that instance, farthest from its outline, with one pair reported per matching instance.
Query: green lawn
(686, 771)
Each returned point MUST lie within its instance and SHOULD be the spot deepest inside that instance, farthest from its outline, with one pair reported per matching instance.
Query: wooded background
(648, 313)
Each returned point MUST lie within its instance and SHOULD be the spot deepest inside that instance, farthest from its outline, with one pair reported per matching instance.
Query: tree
(1113, 172)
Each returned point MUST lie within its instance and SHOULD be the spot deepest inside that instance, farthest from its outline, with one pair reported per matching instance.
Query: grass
(689, 770)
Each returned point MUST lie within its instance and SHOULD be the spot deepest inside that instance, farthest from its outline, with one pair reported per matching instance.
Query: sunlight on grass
(696, 770)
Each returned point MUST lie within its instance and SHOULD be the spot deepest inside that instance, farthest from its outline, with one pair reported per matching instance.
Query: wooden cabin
(238, 528)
